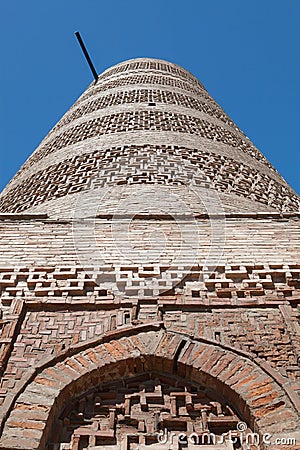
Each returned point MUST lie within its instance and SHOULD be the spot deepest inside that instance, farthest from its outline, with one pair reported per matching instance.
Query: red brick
(184, 358)
(280, 414)
(74, 364)
(243, 385)
(208, 354)
(35, 425)
(223, 363)
(212, 361)
(262, 401)
(93, 356)
(239, 375)
(65, 370)
(259, 390)
(56, 374)
(104, 355)
(82, 361)
(14, 443)
(262, 412)
(231, 370)
(111, 350)
(46, 381)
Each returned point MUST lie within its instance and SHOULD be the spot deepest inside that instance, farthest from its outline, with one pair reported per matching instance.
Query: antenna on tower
(85, 52)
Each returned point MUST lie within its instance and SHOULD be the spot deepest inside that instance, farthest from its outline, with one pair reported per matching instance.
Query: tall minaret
(149, 277)
(147, 122)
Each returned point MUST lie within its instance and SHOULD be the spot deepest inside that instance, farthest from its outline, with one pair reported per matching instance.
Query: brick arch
(257, 397)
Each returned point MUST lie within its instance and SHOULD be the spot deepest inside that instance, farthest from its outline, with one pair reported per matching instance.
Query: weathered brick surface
(143, 111)
(259, 403)
(153, 277)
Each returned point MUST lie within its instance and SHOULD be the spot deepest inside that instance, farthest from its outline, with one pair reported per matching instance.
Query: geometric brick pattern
(143, 96)
(235, 285)
(51, 388)
(173, 166)
(135, 98)
(149, 277)
(136, 408)
(146, 120)
(149, 66)
(138, 79)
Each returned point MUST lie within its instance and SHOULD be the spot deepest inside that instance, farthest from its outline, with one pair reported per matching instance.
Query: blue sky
(246, 52)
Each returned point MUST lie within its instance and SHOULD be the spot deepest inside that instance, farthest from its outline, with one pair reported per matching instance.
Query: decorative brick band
(143, 121)
(239, 286)
(157, 138)
(150, 96)
(140, 79)
(147, 66)
(148, 164)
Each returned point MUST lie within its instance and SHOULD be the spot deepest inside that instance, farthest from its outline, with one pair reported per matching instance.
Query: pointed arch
(256, 396)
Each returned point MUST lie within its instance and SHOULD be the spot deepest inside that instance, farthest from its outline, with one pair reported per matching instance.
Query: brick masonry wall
(133, 113)
(149, 253)
(249, 302)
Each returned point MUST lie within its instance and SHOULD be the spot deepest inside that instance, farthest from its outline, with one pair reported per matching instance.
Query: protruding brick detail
(250, 390)
(186, 404)
(240, 285)
(145, 120)
(185, 110)
(142, 96)
(151, 65)
(149, 276)
(172, 168)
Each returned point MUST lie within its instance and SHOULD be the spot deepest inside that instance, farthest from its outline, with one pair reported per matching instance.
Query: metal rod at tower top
(83, 48)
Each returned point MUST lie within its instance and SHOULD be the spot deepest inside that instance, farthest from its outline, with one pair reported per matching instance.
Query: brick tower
(149, 278)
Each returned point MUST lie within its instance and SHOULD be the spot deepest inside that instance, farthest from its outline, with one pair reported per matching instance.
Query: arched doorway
(198, 386)
(148, 411)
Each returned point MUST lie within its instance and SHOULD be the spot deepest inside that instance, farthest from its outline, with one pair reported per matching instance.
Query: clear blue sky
(246, 52)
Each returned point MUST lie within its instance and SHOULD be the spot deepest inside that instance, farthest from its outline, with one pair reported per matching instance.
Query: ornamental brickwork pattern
(144, 96)
(145, 120)
(143, 109)
(134, 410)
(149, 278)
(151, 165)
